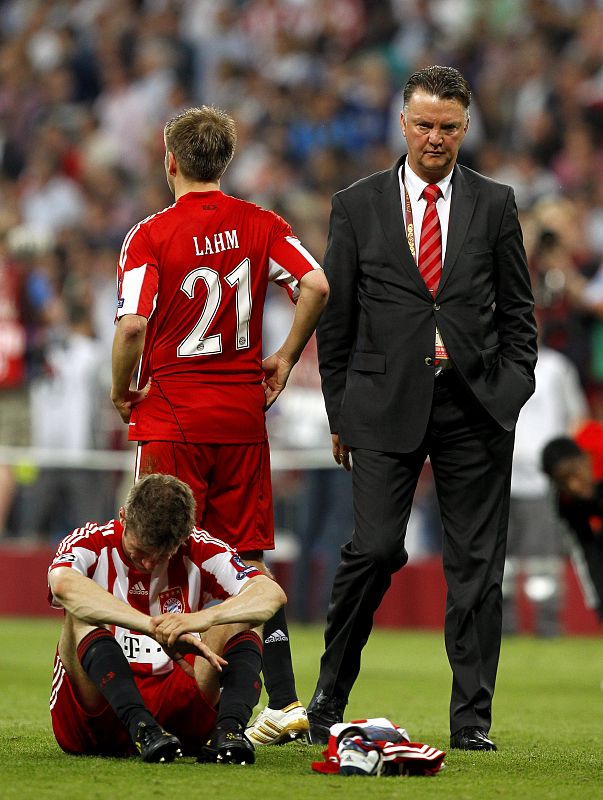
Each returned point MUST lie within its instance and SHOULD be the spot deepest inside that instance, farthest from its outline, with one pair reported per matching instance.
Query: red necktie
(430, 246)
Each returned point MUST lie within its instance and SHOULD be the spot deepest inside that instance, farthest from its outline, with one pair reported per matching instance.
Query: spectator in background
(65, 397)
(580, 498)
(534, 543)
(27, 304)
(14, 401)
(50, 200)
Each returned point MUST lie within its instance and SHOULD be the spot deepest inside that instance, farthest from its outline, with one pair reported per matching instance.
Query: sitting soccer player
(130, 662)
(581, 506)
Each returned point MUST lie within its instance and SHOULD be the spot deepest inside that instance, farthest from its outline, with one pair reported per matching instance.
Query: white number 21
(197, 343)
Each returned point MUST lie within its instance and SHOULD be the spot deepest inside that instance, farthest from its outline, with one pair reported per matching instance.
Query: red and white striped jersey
(199, 271)
(203, 569)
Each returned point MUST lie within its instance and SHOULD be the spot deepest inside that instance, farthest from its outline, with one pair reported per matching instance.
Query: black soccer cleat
(227, 746)
(156, 745)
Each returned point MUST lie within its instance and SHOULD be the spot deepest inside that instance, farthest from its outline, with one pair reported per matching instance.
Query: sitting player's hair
(203, 142)
(160, 510)
(560, 449)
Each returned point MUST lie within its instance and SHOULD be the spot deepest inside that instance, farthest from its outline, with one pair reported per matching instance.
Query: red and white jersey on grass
(199, 271)
(203, 569)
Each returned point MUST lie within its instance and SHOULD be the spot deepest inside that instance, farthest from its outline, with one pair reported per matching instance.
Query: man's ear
(403, 123)
(172, 165)
(122, 516)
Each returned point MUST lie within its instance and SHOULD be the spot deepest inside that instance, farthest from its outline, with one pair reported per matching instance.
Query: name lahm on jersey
(224, 240)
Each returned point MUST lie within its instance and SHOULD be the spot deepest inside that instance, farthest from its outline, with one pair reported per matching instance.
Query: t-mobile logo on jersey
(135, 646)
(131, 646)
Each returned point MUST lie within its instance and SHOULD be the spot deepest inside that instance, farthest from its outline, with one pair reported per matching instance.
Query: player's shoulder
(158, 218)
(91, 535)
(257, 214)
(202, 540)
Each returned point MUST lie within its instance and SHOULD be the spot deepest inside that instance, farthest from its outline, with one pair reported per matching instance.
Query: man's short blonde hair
(203, 142)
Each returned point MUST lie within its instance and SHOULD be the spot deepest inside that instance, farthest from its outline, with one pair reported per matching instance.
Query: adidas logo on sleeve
(277, 636)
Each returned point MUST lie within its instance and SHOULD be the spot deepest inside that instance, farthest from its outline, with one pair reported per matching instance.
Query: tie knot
(431, 193)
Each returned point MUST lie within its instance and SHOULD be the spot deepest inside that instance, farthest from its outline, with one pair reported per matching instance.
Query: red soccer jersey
(203, 569)
(199, 272)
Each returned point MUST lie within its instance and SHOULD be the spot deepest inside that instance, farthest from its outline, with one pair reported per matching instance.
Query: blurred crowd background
(85, 89)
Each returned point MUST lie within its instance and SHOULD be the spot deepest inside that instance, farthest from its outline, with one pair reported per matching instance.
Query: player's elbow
(280, 598)
(316, 287)
(132, 326)
(60, 581)
(274, 597)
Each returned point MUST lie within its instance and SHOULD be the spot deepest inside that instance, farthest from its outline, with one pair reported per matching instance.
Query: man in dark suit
(427, 348)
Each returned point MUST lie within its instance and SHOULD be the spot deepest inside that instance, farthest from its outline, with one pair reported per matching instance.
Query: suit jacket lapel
(462, 205)
(388, 204)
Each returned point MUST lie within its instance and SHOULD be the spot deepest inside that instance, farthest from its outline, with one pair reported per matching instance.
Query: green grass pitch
(548, 724)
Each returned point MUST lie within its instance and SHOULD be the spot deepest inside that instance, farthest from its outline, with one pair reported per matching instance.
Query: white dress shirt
(415, 186)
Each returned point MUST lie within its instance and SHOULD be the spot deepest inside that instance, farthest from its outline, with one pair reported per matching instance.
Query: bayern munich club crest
(171, 601)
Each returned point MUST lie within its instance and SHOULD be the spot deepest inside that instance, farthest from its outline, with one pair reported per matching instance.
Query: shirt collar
(415, 185)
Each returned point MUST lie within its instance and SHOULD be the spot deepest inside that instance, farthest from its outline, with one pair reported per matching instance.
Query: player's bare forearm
(257, 602)
(89, 602)
(313, 296)
(128, 344)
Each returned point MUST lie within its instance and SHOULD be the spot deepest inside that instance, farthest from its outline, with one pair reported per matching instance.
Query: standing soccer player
(192, 281)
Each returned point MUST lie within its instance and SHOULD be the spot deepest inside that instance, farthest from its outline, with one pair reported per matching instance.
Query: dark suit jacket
(376, 336)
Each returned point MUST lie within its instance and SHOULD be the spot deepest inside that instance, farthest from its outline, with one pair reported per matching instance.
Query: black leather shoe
(323, 712)
(471, 739)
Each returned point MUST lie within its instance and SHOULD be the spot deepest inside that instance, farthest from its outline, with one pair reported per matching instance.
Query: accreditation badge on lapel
(171, 601)
(440, 350)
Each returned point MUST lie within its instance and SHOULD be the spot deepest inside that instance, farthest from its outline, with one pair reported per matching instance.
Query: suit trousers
(471, 461)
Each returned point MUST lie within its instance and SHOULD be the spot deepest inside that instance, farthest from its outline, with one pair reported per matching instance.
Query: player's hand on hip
(341, 452)
(124, 405)
(276, 372)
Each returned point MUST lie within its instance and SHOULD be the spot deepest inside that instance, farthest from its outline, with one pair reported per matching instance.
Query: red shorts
(174, 700)
(231, 484)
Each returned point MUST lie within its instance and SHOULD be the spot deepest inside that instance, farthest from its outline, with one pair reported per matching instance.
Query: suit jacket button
(429, 361)
(436, 306)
